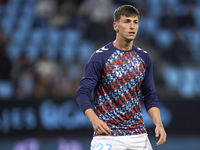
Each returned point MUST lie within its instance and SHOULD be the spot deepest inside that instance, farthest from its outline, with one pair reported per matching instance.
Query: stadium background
(44, 45)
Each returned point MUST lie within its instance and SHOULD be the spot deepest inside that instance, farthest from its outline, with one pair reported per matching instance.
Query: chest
(123, 67)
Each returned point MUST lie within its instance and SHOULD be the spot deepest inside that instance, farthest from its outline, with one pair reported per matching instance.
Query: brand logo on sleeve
(102, 50)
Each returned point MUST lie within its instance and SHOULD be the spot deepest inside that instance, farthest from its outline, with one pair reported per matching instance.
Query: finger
(161, 140)
(106, 129)
(156, 133)
(159, 143)
(100, 130)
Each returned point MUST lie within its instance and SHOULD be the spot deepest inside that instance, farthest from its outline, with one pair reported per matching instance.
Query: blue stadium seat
(25, 22)
(184, 80)
(171, 76)
(32, 51)
(14, 51)
(148, 26)
(16, 2)
(186, 89)
(164, 38)
(37, 36)
(170, 2)
(153, 2)
(154, 7)
(8, 22)
(197, 80)
(197, 16)
(19, 37)
(6, 89)
(31, 2)
(68, 51)
(50, 51)
(86, 48)
(72, 35)
(2, 8)
(193, 39)
(28, 9)
(180, 10)
(12, 8)
(54, 37)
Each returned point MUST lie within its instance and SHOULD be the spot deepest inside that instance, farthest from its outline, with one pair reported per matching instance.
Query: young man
(117, 74)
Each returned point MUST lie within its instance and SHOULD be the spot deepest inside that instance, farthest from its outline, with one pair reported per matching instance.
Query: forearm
(90, 114)
(154, 114)
(99, 126)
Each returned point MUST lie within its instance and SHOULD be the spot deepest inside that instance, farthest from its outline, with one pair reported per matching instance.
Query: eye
(136, 22)
(126, 21)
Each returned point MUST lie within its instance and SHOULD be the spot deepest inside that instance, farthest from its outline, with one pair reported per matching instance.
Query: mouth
(131, 33)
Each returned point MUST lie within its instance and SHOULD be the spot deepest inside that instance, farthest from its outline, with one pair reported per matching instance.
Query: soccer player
(117, 74)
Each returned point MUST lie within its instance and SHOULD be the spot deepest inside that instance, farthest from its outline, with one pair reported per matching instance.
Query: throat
(125, 45)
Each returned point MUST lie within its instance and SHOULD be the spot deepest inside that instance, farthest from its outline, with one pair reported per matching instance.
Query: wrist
(90, 114)
(159, 124)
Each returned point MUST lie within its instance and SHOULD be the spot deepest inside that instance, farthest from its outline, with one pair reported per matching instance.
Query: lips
(132, 33)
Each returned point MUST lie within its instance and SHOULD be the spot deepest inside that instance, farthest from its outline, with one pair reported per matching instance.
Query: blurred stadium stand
(35, 29)
(58, 37)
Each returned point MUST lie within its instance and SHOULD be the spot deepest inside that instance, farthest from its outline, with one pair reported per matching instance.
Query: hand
(159, 130)
(101, 127)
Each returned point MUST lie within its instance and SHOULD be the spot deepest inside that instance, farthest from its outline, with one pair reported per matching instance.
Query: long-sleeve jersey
(117, 79)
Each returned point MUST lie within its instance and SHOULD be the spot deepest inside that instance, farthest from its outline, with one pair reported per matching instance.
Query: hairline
(119, 9)
(133, 15)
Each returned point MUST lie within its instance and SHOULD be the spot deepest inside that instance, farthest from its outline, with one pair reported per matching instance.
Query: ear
(115, 26)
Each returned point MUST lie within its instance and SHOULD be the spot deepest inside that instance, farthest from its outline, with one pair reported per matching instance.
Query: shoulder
(101, 54)
(143, 54)
(140, 51)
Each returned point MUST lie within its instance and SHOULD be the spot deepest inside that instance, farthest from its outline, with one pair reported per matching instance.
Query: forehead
(133, 17)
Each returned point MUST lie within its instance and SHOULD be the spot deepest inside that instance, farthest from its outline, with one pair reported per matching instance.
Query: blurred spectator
(41, 89)
(4, 39)
(19, 65)
(44, 10)
(81, 20)
(187, 20)
(25, 84)
(179, 51)
(75, 72)
(3, 2)
(45, 68)
(168, 19)
(61, 85)
(99, 14)
(124, 2)
(142, 6)
(62, 17)
(5, 64)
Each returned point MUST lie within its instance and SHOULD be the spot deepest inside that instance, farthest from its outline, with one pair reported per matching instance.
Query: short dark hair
(125, 10)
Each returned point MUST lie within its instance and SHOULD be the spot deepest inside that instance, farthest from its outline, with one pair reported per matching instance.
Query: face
(127, 27)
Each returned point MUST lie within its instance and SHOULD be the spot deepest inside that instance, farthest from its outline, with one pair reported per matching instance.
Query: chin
(130, 39)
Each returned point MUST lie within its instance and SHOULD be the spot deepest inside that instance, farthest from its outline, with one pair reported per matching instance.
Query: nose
(132, 25)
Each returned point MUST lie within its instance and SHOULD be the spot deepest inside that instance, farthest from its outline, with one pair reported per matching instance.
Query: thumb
(156, 133)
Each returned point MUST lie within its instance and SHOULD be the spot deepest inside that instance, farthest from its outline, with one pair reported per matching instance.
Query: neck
(123, 45)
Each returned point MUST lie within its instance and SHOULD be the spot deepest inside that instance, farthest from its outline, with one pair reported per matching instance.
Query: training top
(117, 79)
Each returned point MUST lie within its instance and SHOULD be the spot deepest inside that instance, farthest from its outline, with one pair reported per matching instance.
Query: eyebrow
(136, 20)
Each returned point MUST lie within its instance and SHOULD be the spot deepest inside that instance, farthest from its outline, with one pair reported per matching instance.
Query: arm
(99, 126)
(87, 85)
(154, 114)
(151, 100)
